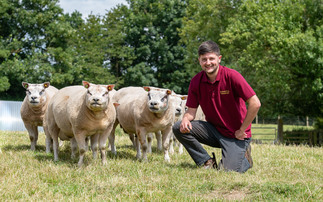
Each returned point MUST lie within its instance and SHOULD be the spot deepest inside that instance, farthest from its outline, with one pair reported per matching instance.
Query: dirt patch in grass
(230, 196)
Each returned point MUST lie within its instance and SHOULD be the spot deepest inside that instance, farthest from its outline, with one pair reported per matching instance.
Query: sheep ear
(86, 84)
(146, 88)
(116, 104)
(46, 84)
(184, 97)
(168, 92)
(25, 85)
(110, 87)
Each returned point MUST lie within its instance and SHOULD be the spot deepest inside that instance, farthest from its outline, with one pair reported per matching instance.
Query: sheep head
(36, 93)
(97, 96)
(157, 99)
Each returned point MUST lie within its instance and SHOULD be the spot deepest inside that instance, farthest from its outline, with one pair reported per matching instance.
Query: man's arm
(253, 108)
(189, 116)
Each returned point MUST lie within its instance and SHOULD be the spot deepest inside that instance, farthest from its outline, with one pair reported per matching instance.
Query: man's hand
(240, 135)
(186, 126)
(189, 115)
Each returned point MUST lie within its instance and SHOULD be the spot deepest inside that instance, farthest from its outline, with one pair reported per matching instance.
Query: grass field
(286, 173)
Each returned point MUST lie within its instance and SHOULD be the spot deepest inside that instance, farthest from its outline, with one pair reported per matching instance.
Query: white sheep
(199, 114)
(179, 102)
(145, 110)
(79, 112)
(33, 109)
(150, 137)
(179, 106)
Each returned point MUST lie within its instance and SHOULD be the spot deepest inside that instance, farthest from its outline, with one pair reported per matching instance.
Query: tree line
(276, 45)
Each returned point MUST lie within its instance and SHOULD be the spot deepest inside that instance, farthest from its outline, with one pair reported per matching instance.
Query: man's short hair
(209, 47)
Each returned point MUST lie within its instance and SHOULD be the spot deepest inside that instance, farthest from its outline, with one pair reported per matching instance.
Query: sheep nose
(178, 110)
(96, 99)
(153, 103)
(33, 98)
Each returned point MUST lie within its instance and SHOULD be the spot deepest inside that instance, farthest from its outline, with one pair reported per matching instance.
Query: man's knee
(234, 164)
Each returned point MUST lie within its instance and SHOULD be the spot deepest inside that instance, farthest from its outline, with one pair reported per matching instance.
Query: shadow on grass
(64, 157)
(153, 148)
(121, 155)
(41, 155)
(126, 152)
(183, 165)
(23, 148)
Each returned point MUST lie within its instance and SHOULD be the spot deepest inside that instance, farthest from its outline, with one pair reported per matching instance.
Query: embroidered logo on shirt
(224, 92)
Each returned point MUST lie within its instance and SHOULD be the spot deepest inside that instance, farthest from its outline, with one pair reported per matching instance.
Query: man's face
(210, 62)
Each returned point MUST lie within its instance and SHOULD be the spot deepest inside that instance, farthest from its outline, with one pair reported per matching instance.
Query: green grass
(286, 173)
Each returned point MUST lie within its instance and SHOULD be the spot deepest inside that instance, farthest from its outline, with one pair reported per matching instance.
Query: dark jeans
(233, 150)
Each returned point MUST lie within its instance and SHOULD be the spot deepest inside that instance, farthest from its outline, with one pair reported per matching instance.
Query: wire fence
(10, 119)
(264, 135)
(287, 120)
(263, 132)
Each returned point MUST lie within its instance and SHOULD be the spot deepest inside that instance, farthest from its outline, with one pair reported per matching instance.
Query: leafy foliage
(276, 45)
(152, 33)
(25, 28)
(279, 54)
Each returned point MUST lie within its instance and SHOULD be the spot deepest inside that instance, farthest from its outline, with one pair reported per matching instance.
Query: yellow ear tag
(109, 88)
(87, 86)
(168, 92)
(183, 98)
(45, 85)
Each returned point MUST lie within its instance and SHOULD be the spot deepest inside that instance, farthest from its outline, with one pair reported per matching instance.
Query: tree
(89, 43)
(31, 31)
(206, 20)
(118, 55)
(152, 33)
(278, 46)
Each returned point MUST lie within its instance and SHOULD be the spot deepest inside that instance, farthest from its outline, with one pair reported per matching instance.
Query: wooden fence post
(310, 138)
(280, 137)
(257, 119)
(315, 139)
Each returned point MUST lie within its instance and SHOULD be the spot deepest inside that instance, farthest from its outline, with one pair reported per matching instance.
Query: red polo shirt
(223, 101)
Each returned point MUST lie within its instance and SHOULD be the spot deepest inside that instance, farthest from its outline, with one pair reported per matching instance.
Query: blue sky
(97, 7)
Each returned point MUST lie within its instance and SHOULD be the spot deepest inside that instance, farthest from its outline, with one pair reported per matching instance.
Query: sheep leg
(49, 141)
(143, 142)
(159, 141)
(87, 139)
(180, 148)
(111, 138)
(55, 148)
(133, 140)
(80, 139)
(111, 144)
(138, 156)
(102, 143)
(73, 147)
(176, 143)
(94, 145)
(171, 146)
(33, 135)
(166, 136)
(149, 140)
(54, 134)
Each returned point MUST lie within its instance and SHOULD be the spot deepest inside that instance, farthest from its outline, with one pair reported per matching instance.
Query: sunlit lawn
(287, 173)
